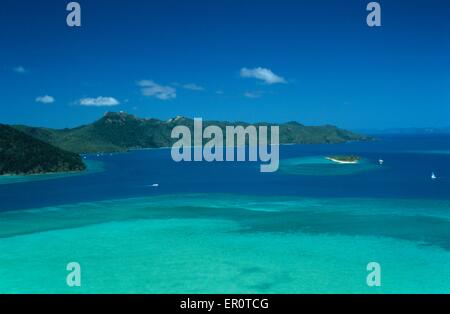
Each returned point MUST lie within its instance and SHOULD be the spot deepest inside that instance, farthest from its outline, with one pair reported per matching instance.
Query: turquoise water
(312, 227)
(320, 166)
(219, 243)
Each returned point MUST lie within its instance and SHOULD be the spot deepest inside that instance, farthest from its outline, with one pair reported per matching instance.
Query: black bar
(244, 303)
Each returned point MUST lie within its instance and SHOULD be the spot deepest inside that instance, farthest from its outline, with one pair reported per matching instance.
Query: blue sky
(315, 61)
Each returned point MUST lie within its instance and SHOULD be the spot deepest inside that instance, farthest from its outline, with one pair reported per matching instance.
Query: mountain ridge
(120, 131)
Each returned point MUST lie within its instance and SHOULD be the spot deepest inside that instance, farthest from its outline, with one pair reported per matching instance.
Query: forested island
(120, 131)
(35, 150)
(21, 154)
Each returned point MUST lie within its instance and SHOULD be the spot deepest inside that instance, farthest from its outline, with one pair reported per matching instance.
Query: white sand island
(344, 159)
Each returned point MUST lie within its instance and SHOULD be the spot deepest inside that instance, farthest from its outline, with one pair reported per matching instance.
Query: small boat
(154, 185)
(433, 176)
(381, 161)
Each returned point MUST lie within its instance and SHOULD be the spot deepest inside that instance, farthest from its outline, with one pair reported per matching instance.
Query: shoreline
(16, 175)
(88, 163)
(342, 161)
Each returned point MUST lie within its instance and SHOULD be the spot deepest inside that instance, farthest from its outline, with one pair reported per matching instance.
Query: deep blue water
(409, 161)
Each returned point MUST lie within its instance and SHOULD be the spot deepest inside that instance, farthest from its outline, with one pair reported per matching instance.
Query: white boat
(433, 176)
(155, 185)
(381, 161)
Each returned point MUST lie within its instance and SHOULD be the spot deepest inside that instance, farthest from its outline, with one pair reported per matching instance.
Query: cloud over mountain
(262, 74)
(99, 102)
(151, 89)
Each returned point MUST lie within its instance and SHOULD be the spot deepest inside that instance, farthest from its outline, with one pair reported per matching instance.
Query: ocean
(225, 227)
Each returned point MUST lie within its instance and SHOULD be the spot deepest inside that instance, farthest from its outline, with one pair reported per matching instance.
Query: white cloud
(262, 74)
(152, 89)
(253, 94)
(45, 99)
(193, 87)
(99, 102)
(20, 70)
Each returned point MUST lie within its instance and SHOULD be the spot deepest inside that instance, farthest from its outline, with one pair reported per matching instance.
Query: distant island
(408, 131)
(33, 150)
(344, 159)
(120, 132)
(21, 154)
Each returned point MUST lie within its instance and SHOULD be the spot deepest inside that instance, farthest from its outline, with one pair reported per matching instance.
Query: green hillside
(121, 131)
(23, 154)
